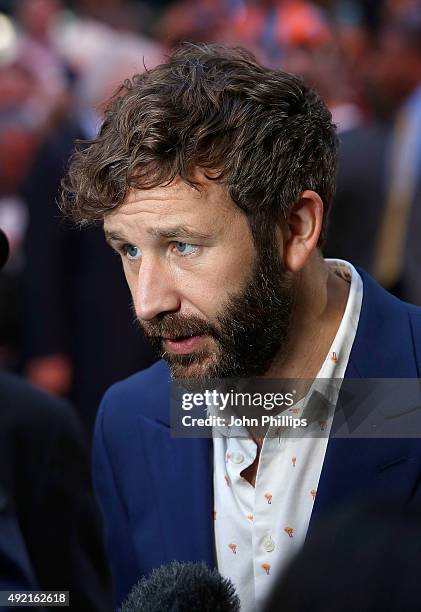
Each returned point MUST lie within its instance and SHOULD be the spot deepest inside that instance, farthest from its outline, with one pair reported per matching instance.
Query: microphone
(4, 248)
(182, 587)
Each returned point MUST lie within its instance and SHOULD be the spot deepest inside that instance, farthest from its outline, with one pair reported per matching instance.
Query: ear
(303, 225)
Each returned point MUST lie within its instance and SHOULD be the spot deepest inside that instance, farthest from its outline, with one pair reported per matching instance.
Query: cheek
(131, 280)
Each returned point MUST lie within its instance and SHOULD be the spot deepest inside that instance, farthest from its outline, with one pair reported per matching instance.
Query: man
(213, 177)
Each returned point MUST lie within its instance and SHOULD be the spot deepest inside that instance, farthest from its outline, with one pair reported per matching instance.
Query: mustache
(175, 325)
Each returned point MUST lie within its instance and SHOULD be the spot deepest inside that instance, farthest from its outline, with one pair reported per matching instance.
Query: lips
(183, 345)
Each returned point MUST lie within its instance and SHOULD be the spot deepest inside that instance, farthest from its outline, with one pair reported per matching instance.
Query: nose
(156, 291)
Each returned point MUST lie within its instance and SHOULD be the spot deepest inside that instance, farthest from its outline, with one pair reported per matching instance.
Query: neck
(319, 308)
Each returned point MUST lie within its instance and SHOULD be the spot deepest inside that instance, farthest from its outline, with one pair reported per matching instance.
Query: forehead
(208, 206)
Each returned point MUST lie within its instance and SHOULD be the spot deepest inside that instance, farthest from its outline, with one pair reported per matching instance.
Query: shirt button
(237, 458)
(268, 544)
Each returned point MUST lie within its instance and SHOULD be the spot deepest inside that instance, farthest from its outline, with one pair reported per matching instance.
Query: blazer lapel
(383, 348)
(179, 501)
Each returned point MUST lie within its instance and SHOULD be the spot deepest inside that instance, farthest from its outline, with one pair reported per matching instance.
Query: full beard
(250, 331)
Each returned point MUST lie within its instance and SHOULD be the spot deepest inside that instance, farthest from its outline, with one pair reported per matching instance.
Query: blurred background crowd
(65, 320)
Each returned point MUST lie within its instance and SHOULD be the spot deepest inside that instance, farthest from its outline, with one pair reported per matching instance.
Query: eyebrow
(178, 231)
(114, 237)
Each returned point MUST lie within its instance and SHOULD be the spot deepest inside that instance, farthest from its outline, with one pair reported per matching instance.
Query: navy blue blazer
(155, 491)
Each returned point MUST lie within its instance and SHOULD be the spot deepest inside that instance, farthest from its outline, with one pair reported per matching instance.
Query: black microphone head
(4, 248)
(182, 587)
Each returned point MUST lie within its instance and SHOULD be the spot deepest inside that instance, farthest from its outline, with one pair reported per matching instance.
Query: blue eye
(184, 248)
(131, 251)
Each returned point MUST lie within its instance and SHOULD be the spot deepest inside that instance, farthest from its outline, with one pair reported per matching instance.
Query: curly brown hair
(262, 133)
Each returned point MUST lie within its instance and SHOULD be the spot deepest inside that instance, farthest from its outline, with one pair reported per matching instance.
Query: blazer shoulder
(388, 339)
(143, 393)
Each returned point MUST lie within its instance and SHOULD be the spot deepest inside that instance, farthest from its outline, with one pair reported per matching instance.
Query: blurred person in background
(18, 142)
(32, 94)
(79, 336)
(50, 530)
(35, 20)
(376, 217)
(270, 27)
(100, 57)
(52, 316)
(360, 194)
(362, 141)
(398, 75)
(49, 526)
